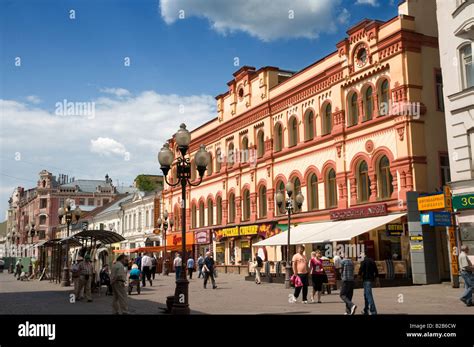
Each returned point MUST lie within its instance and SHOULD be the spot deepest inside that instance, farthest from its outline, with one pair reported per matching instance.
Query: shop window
(368, 103)
(231, 208)
(331, 192)
(201, 214)
(210, 212)
(309, 126)
(262, 202)
(353, 110)
(385, 178)
(246, 252)
(466, 65)
(278, 133)
(246, 205)
(384, 98)
(260, 144)
(193, 216)
(293, 132)
(363, 181)
(219, 210)
(445, 172)
(313, 192)
(327, 119)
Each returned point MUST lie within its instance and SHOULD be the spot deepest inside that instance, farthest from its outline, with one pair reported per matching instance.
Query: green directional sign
(463, 202)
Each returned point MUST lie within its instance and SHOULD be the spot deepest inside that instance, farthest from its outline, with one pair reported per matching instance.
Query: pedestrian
(117, 280)
(190, 266)
(178, 265)
(138, 260)
(18, 267)
(347, 289)
(337, 265)
(76, 277)
(258, 266)
(146, 263)
(85, 280)
(200, 265)
(104, 276)
(369, 273)
(317, 274)
(208, 269)
(466, 267)
(154, 263)
(300, 269)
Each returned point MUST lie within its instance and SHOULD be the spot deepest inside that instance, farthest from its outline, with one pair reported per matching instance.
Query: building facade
(456, 37)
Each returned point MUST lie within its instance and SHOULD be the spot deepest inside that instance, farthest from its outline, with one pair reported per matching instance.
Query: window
(218, 160)
(363, 181)
(246, 205)
(369, 104)
(177, 218)
(262, 202)
(466, 66)
(244, 150)
(327, 119)
(231, 208)
(61, 202)
(82, 201)
(43, 203)
(353, 110)
(293, 132)
(193, 216)
(90, 202)
(280, 188)
(445, 172)
(104, 201)
(210, 212)
(384, 99)
(201, 214)
(439, 91)
(219, 210)
(312, 192)
(209, 166)
(331, 199)
(147, 217)
(260, 144)
(309, 126)
(278, 137)
(42, 220)
(230, 154)
(385, 178)
(134, 221)
(297, 189)
(139, 220)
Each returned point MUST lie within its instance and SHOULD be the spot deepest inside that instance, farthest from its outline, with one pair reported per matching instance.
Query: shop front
(202, 243)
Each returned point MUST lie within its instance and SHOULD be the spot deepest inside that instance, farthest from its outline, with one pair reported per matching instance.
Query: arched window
(312, 192)
(219, 210)
(260, 144)
(218, 160)
(201, 214)
(297, 188)
(177, 218)
(246, 205)
(363, 181)
(244, 150)
(42, 220)
(147, 217)
(309, 126)
(327, 119)
(193, 216)
(353, 110)
(278, 133)
(369, 104)
(466, 65)
(384, 99)
(210, 212)
(231, 208)
(209, 166)
(262, 202)
(193, 170)
(331, 193)
(385, 178)
(230, 154)
(293, 132)
(280, 187)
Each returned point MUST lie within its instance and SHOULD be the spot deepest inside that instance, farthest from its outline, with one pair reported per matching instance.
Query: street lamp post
(183, 164)
(71, 217)
(280, 198)
(30, 230)
(163, 225)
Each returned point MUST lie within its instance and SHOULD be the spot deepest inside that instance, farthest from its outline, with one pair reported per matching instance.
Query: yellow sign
(416, 238)
(220, 249)
(249, 230)
(244, 244)
(432, 202)
(228, 232)
(416, 247)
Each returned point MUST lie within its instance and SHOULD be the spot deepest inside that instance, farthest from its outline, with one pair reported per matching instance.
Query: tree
(145, 183)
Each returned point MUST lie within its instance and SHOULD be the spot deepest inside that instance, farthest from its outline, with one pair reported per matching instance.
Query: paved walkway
(233, 296)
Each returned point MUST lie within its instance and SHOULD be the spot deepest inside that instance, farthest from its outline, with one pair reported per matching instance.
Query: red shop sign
(202, 237)
(360, 212)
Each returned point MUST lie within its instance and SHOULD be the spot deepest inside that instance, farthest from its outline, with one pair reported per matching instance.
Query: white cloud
(344, 16)
(367, 2)
(119, 92)
(33, 99)
(265, 19)
(107, 146)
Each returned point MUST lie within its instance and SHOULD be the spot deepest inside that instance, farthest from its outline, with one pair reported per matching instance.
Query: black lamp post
(163, 225)
(280, 198)
(166, 158)
(71, 217)
(30, 230)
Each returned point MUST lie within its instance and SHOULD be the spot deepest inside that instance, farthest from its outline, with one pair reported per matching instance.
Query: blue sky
(181, 52)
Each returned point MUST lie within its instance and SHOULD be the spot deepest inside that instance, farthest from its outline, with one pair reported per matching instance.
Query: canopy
(71, 241)
(104, 236)
(329, 231)
(153, 249)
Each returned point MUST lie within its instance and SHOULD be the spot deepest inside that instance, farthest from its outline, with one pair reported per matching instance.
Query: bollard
(267, 272)
(169, 303)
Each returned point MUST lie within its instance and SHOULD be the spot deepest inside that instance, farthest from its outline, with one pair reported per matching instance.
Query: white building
(456, 36)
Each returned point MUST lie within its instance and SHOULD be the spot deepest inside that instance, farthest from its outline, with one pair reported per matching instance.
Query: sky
(95, 87)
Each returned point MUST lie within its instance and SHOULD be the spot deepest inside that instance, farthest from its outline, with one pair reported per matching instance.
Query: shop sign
(244, 244)
(264, 230)
(176, 239)
(394, 229)
(360, 212)
(463, 202)
(416, 247)
(249, 230)
(431, 202)
(202, 237)
(227, 232)
(436, 219)
(416, 238)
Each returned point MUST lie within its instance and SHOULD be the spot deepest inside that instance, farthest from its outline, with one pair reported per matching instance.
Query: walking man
(200, 265)
(369, 273)
(300, 268)
(466, 267)
(85, 277)
(347, 289)
(117, 280)
(258, 267)
(178, 265)
(146, 269)
(190, 266)
(208, 269)
(76, 277)
(18, 267)
(154, 262)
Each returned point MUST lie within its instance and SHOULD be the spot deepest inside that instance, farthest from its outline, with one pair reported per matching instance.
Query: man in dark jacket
(208, 270)
(369, 273)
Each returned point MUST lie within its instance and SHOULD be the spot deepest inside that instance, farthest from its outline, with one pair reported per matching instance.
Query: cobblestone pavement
(233, 296)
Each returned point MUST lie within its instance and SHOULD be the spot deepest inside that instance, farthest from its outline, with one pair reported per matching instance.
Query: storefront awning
(328, 231)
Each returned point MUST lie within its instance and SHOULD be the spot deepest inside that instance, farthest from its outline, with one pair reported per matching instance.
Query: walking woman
(317, 274)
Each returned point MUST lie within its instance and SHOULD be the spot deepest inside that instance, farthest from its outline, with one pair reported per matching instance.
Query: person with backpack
(258, 267)
(369, 273)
